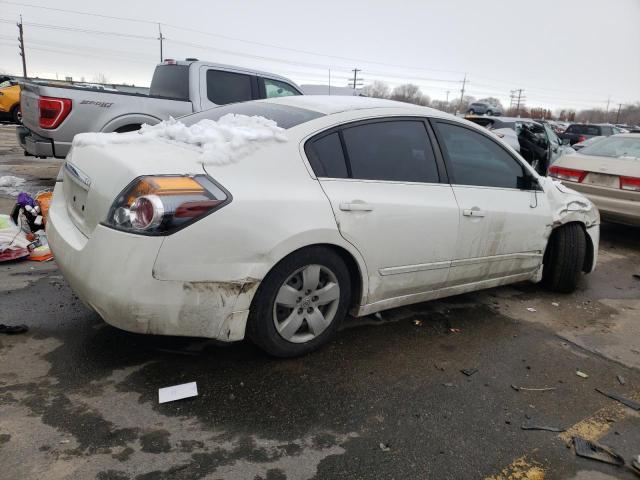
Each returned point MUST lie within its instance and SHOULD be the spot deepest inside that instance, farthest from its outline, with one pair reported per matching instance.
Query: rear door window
(327, 157)
(170, 81)
(391, 150)
(474, 159)
(228, 87)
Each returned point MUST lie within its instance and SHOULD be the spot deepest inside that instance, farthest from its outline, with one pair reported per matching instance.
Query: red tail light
(567, 174)
(630, 183)
(53, 111)
(581, 138)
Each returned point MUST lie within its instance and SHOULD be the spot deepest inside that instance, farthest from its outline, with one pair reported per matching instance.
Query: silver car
(608, 173)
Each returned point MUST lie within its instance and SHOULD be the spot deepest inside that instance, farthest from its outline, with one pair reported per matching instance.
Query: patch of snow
(220, 142)
(10, 184)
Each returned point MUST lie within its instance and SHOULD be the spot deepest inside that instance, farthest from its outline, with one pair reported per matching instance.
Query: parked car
(537, 143)
(579, 132)
(481, 108)
(608, 173)
(351, 204)
(54, 114)
(10, 101)
(585, 143)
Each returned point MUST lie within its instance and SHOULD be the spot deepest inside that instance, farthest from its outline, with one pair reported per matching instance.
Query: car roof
(235, 68)
(504, 119)
(331, 104)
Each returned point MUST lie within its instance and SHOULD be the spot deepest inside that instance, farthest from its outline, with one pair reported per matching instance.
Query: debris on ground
(469, 371)
(621, 379)
(449, 385)
(555, 304)
(385, 447)
(455, 330)
(531, 309)
(177, 392)
(581, 374)
(625, 401)
(13, 329)
(527, 389)
(530, 426)
(14, 243)
(587, 449)
(417, 323)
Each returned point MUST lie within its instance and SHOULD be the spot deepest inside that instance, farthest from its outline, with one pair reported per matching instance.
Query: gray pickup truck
(52, 114)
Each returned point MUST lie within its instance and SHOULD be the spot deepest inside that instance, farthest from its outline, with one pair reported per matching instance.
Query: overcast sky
(569, 53)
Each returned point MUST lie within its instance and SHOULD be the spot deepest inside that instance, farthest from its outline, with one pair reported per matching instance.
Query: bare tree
(410, 93)
(441, 105)
(100, 78)
(377, 89)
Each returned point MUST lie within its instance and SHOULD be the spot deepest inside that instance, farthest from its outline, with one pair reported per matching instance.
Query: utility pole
(607, 114)
(518, 98)
(161, 38)
(356, 82)
(329, 81)
(618, 115)
(464, 84)
(21, 40)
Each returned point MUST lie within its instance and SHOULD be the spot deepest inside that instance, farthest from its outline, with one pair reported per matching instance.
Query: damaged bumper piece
(135, 300)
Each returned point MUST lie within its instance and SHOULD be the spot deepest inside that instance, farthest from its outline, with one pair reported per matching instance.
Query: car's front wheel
(300, 303)
(489, 113)
(471, 111)
(564, 258)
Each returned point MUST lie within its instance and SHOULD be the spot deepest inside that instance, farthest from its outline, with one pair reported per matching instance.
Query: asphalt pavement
(387, 399)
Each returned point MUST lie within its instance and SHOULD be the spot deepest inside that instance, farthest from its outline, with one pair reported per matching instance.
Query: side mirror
(565, 141)
(528, 182)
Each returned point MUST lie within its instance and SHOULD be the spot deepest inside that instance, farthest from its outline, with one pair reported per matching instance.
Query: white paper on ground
(177, 392)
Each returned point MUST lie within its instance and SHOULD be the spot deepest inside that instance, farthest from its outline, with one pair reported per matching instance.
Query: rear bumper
(112, 272)
(40, 146)
(612, 208)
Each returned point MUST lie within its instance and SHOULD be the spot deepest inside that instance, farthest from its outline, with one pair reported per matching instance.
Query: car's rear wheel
(489, 113)
(16, 114)
(564, 258)
(300, 303)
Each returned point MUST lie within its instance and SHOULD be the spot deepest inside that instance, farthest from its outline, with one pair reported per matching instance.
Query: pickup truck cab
(53, 113)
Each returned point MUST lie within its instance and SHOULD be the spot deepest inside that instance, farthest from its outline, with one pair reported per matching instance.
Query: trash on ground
(528, 389)
(530, 426)
(531, 309)
(13, 241)
(621, 379)
(449, 385)
(625, 401)
(469, 371)
(555, 304)
(455, 330)
(417, 323)
(385, 447)
(581, 374)
(585, 448)
(13, 329)
(177, 392)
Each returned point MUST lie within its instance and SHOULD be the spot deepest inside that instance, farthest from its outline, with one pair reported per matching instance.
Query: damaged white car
(273, 219)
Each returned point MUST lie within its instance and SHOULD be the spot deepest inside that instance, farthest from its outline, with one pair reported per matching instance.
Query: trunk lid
(93, 176)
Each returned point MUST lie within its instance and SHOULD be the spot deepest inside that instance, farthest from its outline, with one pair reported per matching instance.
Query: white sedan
(275, 218)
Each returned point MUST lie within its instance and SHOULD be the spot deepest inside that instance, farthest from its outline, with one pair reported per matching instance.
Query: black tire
(261, 327)
(471, 111)
(564, 258)
(15, 115)
(489, 113)
(128, 128)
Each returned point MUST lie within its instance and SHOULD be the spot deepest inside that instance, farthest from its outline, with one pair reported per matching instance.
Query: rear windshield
(284, 115)
(584, 129)
(170, 81)
(615, 147)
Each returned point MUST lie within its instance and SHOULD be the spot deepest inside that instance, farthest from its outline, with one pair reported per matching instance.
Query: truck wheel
(300, 303)
(16, 114)
(564, 258)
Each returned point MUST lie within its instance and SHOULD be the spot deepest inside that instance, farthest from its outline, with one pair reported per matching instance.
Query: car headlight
(163, 204)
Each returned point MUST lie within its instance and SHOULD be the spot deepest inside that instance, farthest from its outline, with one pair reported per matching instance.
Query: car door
(503, 221)
(225, 86)
(391, 201)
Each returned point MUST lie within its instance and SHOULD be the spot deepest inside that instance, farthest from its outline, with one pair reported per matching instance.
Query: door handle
(356, 207)
(473, 212)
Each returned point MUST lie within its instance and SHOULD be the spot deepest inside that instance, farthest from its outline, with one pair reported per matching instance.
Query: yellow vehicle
(10, 101)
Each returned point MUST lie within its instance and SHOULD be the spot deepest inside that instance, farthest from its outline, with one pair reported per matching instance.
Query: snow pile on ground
(219, 142)
(10, 184)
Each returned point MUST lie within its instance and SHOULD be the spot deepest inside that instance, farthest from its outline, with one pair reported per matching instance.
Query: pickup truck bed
(92, 111)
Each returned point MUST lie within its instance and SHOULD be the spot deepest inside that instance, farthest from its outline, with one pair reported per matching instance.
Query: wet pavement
(385, 400)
